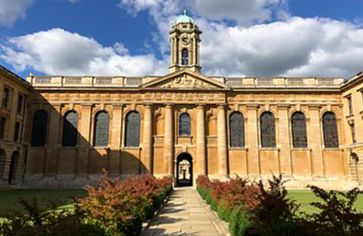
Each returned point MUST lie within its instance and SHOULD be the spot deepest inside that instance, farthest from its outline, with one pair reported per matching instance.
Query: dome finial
(185, 12)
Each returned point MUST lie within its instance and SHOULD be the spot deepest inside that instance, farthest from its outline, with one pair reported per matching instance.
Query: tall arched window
(184, 124)
(102, 121)
(236, 130)
(40, 125)
(132, 135)
(298, 126)
(70, 123)
(330, 130)
(267, 129)
(185, 56)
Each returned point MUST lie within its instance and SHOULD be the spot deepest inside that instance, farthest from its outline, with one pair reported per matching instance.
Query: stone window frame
(323, 113)
(8, 99)
(67, 112)
(260, 131)
(243, 129)
(125, 145)
(22, 107)
(292, 131)
(46, 132)
(190, 124)
(94, 117)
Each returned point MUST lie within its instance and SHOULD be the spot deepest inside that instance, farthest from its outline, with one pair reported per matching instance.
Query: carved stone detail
(186, 82)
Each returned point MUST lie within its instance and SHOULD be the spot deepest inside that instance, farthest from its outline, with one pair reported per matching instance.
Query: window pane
(184, 124)
(236, 130)
(267, 122)
(298, 124)
(20, 104)
(17, 132)
(185, 56)
(101, 129)
(132, 138)
(39, 132)
(2, 127)
(6, 96)
(70, 124)
(330, 130)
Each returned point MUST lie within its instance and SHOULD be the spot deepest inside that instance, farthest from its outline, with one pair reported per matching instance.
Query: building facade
(182, 124)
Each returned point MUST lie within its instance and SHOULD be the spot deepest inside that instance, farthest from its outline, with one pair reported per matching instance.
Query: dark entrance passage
(184, 173)
(14, 165)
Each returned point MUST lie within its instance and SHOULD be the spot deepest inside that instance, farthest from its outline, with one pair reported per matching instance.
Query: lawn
(304, 197)
(9, 198)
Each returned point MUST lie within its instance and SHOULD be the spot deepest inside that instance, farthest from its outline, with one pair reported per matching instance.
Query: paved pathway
(186, 214)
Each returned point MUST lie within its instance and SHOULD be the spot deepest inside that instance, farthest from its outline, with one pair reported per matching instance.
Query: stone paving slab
(186, 214)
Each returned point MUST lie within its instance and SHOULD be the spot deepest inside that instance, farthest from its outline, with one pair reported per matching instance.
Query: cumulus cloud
(258, 44)
(12, 10)
(57, 51)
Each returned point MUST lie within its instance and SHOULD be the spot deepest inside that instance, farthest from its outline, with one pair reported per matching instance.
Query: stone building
(182, 124)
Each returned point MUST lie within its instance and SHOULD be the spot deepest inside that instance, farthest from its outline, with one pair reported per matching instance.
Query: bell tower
(184, 45)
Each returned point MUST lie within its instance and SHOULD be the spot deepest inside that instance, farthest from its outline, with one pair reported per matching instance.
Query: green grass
(9, 198)
(304, 197)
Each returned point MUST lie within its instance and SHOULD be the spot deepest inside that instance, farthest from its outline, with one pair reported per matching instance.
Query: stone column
(169, 140)
(147, 138)
(85, 134)
(253, 159)
(115, 144)
(53, 140)
(201, 140)
(222, 142)
(284, 141)
(315, 142)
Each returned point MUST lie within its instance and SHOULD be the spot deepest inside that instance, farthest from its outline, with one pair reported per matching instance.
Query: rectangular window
(350, 105)
(17, 132)
(6, 97)
(21, 101)
(2, 127)
(352, 130)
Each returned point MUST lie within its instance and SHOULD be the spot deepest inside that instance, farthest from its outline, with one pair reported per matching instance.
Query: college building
(61, 131)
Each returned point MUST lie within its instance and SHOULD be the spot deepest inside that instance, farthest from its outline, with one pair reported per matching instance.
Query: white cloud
(242, 11)
(258, 46)
(57, 51)
(12, 10)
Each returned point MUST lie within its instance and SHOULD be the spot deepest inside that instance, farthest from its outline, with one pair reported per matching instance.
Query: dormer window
(185, 57)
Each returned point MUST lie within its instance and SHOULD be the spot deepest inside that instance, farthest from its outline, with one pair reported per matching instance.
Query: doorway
(184, 173)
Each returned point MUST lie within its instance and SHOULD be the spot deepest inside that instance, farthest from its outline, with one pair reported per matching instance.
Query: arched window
(267, 129)
(40, 125)
(102, 121)
(132, 135)
(14, 168)
(298, 126)
(70, 123)
(330, 130)
(236, 130)
(184, 124)
(185, 56)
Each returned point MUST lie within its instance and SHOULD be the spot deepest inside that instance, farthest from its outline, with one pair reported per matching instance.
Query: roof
(184, 18)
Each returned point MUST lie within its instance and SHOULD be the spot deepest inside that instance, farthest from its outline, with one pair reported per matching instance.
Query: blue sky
(130, 37)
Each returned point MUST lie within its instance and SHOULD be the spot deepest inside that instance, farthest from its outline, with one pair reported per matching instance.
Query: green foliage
(52, 222)
(223, 212)
(337, 215)
(239, 221)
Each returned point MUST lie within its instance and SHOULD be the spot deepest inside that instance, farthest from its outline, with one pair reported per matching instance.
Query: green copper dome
(184, 18)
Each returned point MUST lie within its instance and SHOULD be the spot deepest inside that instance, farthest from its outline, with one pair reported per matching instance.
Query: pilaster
(169, 140)
(315, 140)
(284, 140)
(201, 140)
(222, 142)
(147, 137)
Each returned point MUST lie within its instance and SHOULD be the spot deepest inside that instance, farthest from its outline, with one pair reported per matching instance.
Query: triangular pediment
(184, 80)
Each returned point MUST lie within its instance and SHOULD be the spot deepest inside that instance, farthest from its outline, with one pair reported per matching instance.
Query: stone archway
(184, 170)
(2, 163)
(14, 168)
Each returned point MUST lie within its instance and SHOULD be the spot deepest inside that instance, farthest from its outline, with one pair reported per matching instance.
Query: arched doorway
(184, 167)
(14, 167)
(2, 163)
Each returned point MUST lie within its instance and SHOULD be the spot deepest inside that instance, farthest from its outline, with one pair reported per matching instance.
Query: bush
(121, 206)
(239, 221)
(337, 216)
(47, 222)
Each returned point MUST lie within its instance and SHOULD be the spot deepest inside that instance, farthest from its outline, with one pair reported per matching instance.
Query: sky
(130, 37)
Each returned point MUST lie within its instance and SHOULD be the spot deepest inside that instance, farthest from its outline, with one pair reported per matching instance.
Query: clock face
(185, 39)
